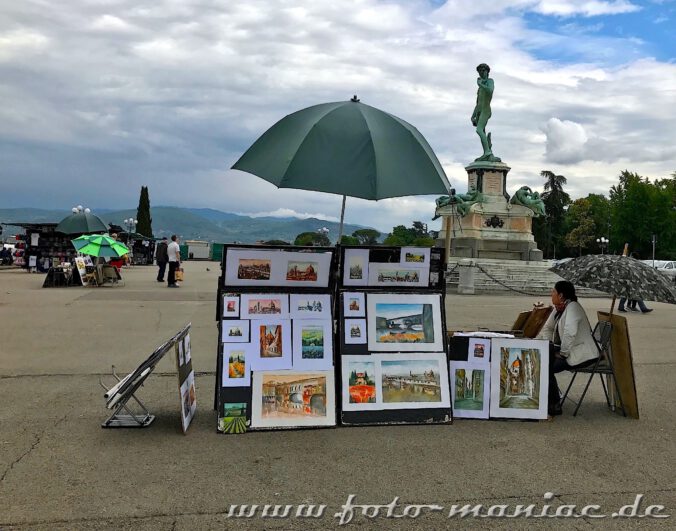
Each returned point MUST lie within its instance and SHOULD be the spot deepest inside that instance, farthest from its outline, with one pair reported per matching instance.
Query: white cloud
(111, 23)
(566, 141)
(585, 8)
(20, 42)
(289, 213)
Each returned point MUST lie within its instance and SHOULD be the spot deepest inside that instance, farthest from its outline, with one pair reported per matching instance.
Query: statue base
(494, 228)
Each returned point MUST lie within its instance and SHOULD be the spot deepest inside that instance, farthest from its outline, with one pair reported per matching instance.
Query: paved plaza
(60, 470)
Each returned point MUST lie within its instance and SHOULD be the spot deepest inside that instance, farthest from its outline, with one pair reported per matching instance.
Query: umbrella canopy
(100, 245)
(620, 276)
(346, 148)
(81, 223)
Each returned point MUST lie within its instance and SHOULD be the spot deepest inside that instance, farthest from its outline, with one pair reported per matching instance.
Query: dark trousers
(558, 364)
(631, 303)
(171, 279)
(162, 267)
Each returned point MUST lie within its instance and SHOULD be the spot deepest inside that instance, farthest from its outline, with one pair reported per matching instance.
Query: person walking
(161, 257)
(174, 252)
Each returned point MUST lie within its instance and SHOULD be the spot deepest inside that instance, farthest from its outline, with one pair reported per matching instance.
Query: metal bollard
(466, 271)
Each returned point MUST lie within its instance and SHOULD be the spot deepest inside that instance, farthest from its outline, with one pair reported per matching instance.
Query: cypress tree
(145, 222)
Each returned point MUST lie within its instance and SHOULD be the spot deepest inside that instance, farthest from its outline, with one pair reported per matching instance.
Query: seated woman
(571, 344)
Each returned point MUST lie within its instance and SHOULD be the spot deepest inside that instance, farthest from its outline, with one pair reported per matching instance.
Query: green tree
(549, 230)
(276, 242)
(582, 228)
(416, 235)
(145, 222)
(366, 236)
(312, 238)
(350, 240)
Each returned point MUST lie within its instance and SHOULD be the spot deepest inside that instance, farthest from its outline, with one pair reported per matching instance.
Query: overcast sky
(100, 97)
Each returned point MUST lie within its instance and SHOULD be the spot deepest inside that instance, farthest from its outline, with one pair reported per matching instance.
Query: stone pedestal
(494, 228)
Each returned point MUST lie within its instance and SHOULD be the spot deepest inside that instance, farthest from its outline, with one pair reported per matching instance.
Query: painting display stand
(131, 419)
(275, 355)
(391, 331)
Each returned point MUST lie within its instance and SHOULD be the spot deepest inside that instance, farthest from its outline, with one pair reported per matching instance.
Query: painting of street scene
(519, 378)
(404, 323)
(469, 389)
(265, 306)
(411, 381)
(234, 418)
(271, 341)
(362, 384)
(312, 342)
(302, 271)
(399, 275)
(253, 269)
(293, 395)
(236, 365)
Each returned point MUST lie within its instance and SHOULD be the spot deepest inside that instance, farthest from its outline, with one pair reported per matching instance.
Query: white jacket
(577, 343)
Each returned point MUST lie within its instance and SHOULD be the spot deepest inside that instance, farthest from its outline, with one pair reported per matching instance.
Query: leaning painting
(470, 389)
(519, 378)
(292, 399)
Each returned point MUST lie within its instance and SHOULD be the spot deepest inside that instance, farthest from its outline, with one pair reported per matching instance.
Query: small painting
(479, 350)
(230, 306)
(411, 381)
(253, 269)
(293, 398)
(470, 389)
(405, 275)
(236, 365)
(235, 331)
(258, 306)
(355, 331)
(302, 271)
(354, 304)
(312, 344)
(312, 341)
(233, 419)
(417, 256)
(264, 307)
(356, 267)
(310, 306)
(188, 401)
(362, 382)
(272, 340)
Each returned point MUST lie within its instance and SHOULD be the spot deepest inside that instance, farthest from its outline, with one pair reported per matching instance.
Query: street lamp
(130, 224)
(603, 243)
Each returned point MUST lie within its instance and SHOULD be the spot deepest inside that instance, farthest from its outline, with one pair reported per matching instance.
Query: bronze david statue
(482, 112)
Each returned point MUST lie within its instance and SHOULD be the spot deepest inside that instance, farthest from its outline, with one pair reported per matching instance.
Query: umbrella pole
(612, 306)
(342, 217)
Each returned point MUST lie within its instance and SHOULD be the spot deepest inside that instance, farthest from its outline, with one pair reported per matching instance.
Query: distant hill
(192, 223)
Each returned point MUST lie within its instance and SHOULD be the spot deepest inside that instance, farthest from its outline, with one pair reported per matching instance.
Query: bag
(179, 274)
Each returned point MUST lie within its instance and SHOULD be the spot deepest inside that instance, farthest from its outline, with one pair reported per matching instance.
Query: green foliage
(366, 236)
(415, 235)
(350, 240)
(581, 226)
(145, 222)
(549, 230)
(276, 242)
(312, 238)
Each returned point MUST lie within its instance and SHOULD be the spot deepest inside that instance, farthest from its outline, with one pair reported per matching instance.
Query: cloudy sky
(100, 97)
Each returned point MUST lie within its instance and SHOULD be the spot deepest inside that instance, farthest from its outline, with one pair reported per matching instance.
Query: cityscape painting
(312, 344)
(470, 389)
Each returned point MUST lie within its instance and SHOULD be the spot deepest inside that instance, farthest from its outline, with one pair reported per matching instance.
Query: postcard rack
(392, 362)
(275, 362)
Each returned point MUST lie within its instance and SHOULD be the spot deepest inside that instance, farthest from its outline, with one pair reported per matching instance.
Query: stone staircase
(512, 277)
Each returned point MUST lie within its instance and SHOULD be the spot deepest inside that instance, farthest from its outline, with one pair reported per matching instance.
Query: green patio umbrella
(100, 245)
(81, 222)
(346, 148)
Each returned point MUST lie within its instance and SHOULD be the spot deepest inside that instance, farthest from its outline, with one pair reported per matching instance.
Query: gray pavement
(60, 470)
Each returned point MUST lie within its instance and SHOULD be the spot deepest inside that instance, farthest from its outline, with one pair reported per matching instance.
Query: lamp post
(130, 224)
(603, 243)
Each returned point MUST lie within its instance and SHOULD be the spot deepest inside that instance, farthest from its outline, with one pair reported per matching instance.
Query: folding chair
(603, 367)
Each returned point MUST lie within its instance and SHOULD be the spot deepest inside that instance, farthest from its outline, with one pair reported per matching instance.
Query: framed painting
(188, 401)
(264, 305)
(415, 256)
(354, 304)
(404, 323)
(312, 344)
(235, 331)
(355, 331)
(479, 350)
(356, 267)
(231, 306)
(293, 399)
(305, 269)
(251, 267)
(237, 365)
(470, 389)
(234, 418)
(359, 383)
(310, 306)
(271, 340)
(413, 381)
(519, 378)
(398, 275)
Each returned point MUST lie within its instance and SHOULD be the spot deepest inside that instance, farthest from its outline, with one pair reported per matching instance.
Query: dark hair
(565, 288)
(173, 237)
(483, 66)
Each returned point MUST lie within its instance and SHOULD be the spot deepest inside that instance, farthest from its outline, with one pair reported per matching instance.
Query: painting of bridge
(411, 381)
(404, 323)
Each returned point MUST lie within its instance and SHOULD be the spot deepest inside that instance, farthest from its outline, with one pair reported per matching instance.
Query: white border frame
(324, 298)
(359, 253)
(376, 268)
(347, 339)
(362, 304)
(496, 410)
(244, 324)
(247, 297)
(249, 351)
(396, 298)
(417, 250)
(325, 363)
(234, 314)
(345, 382)
(257, 420)
(473, 341)
(440, 358)
(271, 364)
(471, 413)
(185, 387)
